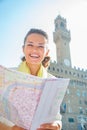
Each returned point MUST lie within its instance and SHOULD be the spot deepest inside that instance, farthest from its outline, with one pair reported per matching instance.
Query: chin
(35, 63)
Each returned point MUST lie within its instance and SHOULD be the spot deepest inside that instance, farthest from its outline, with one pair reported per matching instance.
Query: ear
(47, 53)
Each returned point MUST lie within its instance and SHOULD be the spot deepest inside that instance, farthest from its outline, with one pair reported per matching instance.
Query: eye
(41, 46)
(30, 45)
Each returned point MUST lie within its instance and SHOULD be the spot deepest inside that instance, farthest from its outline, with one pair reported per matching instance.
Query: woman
(35, 62)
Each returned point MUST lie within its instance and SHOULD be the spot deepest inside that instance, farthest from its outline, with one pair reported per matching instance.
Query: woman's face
(35, 48)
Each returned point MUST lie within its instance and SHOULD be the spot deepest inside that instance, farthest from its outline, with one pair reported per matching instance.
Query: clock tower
(61, 37)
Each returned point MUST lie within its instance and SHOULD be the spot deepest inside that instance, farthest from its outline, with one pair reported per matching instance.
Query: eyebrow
(38, 43)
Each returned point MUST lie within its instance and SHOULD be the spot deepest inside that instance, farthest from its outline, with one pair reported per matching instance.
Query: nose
(35, 48)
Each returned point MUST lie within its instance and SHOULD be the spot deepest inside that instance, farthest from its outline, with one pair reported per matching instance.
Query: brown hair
(46, 60)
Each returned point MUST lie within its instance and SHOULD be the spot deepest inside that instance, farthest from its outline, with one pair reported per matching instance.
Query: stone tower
(74, 105)
(61, 37)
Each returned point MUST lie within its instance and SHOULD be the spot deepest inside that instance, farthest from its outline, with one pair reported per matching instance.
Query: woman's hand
(5, 127)
(16, 128)
(49, 126)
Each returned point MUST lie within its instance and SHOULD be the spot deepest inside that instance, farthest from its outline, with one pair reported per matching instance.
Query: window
(70, 109)
(71, 120)
(49, 68)
(62, 24)
(61, 70)
(53, 68)
(80, 110)
(86, 110)
(78, 93)
(80, 102)
(63, 108)
(56, 26)
(65, 71)
(85, 102)
(57, 69)
(78, 75)
(84, 93)
(81, 76)
(70, 72)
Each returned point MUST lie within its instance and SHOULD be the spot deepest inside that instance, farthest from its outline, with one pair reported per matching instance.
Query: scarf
(23, 67)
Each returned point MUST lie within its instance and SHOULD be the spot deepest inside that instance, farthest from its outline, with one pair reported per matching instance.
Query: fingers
(49, 126)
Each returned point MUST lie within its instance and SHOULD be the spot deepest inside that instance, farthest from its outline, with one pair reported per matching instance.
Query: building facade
(74, 105)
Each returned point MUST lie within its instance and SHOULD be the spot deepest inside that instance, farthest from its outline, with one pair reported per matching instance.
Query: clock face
(66, 62)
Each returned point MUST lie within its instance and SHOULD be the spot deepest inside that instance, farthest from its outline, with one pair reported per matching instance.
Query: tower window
(56, 26)
(62, 24)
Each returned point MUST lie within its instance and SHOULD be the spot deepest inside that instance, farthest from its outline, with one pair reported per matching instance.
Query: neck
(34, 68)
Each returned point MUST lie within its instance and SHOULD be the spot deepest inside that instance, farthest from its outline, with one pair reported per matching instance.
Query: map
(24, 97)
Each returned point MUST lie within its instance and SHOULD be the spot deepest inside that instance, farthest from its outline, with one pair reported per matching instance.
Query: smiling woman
(35, 49)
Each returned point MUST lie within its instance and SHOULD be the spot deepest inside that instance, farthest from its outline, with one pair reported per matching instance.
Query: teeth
(34, 55)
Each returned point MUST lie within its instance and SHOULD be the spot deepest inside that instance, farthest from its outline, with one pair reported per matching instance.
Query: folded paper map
(29, 101)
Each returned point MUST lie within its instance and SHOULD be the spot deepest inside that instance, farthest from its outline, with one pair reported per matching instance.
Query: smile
(34, 56)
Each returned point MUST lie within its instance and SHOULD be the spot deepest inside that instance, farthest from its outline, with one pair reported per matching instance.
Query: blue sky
(18, 16)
